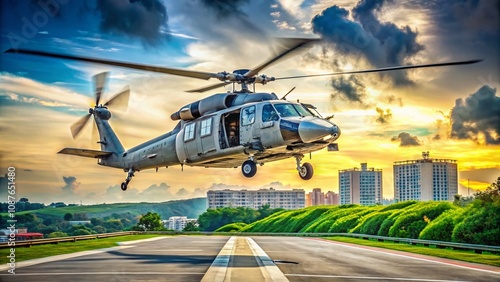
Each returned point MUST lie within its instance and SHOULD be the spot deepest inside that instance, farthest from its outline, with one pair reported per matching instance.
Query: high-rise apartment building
(331, 198)
(425, 179)
(360, 186)
(286, 199)
(318, 198)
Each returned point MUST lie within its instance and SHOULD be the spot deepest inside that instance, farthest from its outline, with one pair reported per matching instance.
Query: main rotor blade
(99, 81)
(291, 44)
(186, 73)
(385, 69)
(78, 126)
(213, 86)
(120, 100)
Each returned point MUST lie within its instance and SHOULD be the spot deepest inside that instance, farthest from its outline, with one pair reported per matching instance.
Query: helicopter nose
(315, 129)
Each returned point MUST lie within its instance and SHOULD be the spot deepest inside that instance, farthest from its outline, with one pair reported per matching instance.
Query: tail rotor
(118, 101)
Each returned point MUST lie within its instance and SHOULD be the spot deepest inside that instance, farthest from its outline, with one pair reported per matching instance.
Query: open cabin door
(248, 115)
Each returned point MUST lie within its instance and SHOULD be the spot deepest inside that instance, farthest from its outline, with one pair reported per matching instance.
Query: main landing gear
(129, 177)
(306, 170)
(249, 168)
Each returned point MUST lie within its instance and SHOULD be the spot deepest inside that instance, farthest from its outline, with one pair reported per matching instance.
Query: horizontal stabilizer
(85, 153)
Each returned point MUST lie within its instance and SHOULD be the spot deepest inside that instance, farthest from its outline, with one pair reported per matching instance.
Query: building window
(206, 127)
(189, 132)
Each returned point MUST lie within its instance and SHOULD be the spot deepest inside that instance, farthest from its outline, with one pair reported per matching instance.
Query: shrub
(411, 222)
(232, 227)
(441, 228)
(371, 223)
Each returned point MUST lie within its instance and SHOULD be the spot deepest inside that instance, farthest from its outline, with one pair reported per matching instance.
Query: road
(219, 258)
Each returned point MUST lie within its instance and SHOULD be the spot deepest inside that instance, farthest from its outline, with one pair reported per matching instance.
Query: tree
(150, 222)
(24, 200)
(68, 216)
(57, 234)
(80, 232)
(191, 226)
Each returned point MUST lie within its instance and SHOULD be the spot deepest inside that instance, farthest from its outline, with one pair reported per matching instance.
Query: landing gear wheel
(124, 186)
(306, 171)
(249, 168)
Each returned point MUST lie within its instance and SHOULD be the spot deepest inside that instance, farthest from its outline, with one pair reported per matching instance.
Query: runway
(222, 258)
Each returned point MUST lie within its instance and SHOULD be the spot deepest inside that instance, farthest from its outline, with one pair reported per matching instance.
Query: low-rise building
(286, 199)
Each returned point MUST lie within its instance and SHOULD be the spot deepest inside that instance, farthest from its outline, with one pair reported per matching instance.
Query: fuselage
(264, 131)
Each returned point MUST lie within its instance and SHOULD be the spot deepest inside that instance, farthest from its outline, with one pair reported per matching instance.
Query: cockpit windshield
(292, 110)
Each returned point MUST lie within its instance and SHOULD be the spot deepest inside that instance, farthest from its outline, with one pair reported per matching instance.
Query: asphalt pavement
(222, 258)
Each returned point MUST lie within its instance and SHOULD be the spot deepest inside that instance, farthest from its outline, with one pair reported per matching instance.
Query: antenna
(284, 97)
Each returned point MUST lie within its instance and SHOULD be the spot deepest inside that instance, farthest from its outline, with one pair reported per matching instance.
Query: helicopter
(225, 130)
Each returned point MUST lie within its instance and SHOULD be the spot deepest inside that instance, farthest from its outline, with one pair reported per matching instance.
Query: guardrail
(438, 244)
(29, 243)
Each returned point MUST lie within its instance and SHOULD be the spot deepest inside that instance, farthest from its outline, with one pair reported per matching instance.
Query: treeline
(60, 227)
(475, 220)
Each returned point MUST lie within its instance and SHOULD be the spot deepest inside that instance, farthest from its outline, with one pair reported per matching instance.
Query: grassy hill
(191, 208)
(478, 223)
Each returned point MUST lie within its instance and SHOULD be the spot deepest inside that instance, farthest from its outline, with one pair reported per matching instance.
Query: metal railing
(438, 244)
(29, 243)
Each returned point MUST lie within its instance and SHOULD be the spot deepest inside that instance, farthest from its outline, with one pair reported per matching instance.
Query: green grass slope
(191, 208)
(430, 220)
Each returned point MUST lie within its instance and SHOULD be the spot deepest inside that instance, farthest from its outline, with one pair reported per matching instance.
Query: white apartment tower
(360, 186)
(286, 199)
(425, 179)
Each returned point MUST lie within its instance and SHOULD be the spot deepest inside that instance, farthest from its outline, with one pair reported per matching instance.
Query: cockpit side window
(286, 110)
(269, 113)
(303, 112)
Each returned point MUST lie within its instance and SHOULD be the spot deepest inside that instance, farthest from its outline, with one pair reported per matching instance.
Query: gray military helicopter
(238, 128)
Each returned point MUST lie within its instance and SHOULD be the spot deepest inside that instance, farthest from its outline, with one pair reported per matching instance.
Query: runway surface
(220, 258)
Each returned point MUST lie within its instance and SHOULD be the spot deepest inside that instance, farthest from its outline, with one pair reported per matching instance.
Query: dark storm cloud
(380, 43)
(477, 117)
(143, 19)
(71, 184)
(383, 116)
(225, 8)
(406, 139)
(348, 88)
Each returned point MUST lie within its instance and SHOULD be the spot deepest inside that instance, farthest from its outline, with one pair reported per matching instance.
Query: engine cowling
(205, 106)
(219, 102)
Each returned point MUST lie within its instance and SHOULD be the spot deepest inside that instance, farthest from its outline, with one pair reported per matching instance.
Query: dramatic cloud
(406, 139)
(225, 8)
(71, 184)
(478, 117)
(143, 19)
(383, 117)
(348, 88)
(381, 44)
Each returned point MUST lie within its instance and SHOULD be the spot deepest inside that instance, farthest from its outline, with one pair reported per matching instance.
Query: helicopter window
(248, 116)
(189, 132)
(286, 110)
(303, 111)
(206, 127)
(269, 113)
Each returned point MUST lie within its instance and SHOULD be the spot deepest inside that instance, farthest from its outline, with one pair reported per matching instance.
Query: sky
(453, 112)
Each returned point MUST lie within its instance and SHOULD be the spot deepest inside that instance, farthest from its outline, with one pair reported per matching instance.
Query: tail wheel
(124, 186)
(249, 168)
(306, 171)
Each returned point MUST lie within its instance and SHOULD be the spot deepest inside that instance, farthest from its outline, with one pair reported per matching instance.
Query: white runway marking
(105, 273)
(411, 257)
(63, 257)
(272, 272)
(218, 269)
(370, 278)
